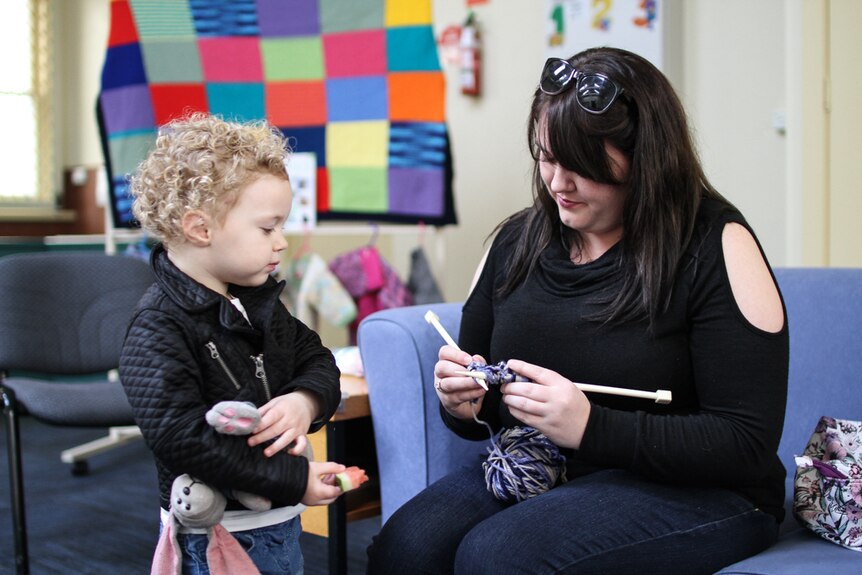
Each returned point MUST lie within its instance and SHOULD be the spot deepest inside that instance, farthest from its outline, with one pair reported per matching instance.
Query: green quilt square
(163, 18)
(128, 150)
(171, 61)
(360, 190)
(350, 15)
(292, 58)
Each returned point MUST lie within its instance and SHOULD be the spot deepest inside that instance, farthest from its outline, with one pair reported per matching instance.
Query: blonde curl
(201, 162)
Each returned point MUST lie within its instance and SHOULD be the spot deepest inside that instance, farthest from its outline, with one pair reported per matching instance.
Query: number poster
(635, 25)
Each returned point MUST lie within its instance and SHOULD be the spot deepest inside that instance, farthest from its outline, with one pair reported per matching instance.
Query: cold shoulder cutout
(750, 280)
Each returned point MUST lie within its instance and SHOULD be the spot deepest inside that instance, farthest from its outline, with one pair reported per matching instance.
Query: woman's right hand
(457, 392)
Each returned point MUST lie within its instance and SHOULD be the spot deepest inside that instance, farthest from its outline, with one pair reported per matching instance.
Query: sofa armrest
(414, 448)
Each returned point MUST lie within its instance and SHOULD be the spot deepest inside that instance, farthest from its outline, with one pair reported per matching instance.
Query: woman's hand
(287, 418)
(548, 402)
(456, 392)
(322, 488)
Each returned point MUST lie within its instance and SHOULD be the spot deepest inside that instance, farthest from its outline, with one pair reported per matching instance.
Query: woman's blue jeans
(607, 522)
(274, 550)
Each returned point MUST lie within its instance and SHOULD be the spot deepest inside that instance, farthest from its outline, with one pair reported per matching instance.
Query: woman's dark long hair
(664, 186)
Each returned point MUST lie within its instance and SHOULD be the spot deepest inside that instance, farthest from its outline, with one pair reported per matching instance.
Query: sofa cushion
(799, 552)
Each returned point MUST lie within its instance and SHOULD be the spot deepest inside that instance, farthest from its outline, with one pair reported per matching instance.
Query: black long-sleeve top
(728, 378)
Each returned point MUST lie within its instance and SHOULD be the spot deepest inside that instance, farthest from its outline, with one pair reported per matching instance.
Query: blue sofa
(414, 448)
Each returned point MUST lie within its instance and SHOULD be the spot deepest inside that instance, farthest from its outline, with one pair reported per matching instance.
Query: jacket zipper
(261, 374)
(217, 356)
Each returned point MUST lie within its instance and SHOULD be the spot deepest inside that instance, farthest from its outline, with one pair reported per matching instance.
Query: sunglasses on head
(595, 92)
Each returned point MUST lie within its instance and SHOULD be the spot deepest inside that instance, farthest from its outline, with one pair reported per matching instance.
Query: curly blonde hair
(201, 162)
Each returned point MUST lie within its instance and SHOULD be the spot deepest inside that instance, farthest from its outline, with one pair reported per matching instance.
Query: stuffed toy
(239, 418)
(196, 505)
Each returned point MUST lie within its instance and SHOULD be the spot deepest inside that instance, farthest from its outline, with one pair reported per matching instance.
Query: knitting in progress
(494, 374)
(522, 462)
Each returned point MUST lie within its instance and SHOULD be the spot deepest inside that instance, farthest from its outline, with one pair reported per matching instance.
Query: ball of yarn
(523, 463)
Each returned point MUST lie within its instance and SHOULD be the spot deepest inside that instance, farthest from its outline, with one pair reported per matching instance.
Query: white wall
(730, 74)
(731, 77)
(733, 85)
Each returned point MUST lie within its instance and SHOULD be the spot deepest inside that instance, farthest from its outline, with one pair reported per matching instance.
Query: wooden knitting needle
(434, 320)
(662, 396)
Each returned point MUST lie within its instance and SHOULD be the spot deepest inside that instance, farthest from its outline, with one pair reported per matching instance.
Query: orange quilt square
(296, 103)
(417, 97)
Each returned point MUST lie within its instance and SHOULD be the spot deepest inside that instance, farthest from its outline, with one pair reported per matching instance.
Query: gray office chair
(63, 317)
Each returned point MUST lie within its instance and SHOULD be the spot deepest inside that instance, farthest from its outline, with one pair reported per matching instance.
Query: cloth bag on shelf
(371, 281)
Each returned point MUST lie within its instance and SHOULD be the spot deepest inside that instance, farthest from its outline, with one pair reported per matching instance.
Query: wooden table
(347, 438)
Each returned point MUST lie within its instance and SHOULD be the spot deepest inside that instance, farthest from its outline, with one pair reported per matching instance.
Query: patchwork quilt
(355, 82)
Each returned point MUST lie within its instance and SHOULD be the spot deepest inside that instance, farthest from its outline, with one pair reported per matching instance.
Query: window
(25, 103)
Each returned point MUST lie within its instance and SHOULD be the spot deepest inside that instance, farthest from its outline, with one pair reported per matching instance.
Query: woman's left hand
(287, 418)
(548, 402)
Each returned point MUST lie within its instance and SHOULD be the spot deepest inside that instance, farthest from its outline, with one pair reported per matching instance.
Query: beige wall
(82, 37)
(729, 65)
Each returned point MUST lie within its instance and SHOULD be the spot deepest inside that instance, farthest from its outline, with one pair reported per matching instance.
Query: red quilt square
(231, 59)
(296, 103)
(322, 190)
(172, 101)
(123, 30)
(361, 53)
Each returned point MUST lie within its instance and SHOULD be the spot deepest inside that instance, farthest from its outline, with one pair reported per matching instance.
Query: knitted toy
(196, 505)
(238, 418)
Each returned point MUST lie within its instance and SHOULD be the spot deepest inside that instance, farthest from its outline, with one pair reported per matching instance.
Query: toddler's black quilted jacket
(188, 348)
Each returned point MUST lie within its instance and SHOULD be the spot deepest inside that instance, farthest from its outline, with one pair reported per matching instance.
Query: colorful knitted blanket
(357, 84)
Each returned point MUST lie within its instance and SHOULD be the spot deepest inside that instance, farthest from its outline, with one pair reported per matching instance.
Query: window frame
(41, 95)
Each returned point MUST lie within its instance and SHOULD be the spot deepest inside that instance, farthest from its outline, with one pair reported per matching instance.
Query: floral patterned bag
(827, 495)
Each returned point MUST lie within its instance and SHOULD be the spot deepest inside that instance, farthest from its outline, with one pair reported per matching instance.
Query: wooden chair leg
(16, 481)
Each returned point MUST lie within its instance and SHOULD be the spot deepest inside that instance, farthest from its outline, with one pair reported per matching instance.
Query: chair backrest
(824, 315)
(67, 312)
(414, 448)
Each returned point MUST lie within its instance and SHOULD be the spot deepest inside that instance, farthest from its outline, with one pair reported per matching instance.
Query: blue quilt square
(308, 140)
(225, 17)
(411, 48)
(124, 66)
(356, 99)
(240, 102)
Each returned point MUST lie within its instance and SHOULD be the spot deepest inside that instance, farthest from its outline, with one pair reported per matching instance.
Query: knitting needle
(662, 396)
(434, 320)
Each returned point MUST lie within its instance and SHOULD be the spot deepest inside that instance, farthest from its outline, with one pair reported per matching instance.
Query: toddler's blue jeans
(274, 550)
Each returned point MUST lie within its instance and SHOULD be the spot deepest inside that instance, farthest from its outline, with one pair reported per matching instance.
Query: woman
(629, 270)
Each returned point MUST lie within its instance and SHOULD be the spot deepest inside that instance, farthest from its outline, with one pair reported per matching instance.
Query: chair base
(116, 437)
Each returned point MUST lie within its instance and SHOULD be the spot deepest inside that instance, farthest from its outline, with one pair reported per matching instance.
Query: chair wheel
(80, 468)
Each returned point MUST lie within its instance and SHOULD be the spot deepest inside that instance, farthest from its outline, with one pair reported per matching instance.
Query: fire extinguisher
(471, 57)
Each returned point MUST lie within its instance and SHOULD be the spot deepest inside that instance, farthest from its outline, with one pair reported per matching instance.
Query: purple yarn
(496, 374)
(521, 464)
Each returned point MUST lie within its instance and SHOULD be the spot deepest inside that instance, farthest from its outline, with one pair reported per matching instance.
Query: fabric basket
(827, 495)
